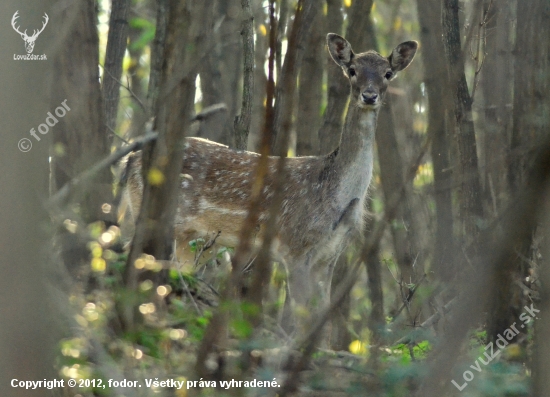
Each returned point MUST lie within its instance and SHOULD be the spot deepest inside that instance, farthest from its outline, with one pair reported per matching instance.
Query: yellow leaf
(397, 23)
(358, 347)
(97, 251)
(98, 265)
(183, 391)
(347, 3)
(513, 351)
(263, 30)
(155, 177)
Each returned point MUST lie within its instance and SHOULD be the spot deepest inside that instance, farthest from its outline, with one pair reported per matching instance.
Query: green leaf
(241, 328)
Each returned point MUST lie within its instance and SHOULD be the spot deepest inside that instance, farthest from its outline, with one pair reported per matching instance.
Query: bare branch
(59, 198)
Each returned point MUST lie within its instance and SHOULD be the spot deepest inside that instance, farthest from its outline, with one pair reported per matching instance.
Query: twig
(136, 145)
(113, 132)
(411, 337)
(89, 174)
(209, 286)
(180, 276)
(127, 87)
(473, 20)
(209, 111)
(480, 60)
(206, 246)
(407, 300)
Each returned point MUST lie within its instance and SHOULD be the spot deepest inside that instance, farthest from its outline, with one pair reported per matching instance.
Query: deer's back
(215, 190)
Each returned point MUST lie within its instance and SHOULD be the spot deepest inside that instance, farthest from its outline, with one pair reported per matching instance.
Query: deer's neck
(354, 159)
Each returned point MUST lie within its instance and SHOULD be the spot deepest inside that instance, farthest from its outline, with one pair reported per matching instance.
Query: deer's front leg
(299, 295)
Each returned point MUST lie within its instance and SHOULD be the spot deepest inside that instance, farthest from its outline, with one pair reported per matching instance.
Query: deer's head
(369, 72)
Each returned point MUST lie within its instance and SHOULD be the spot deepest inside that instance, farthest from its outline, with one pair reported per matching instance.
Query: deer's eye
(389, 75)
(352, 72)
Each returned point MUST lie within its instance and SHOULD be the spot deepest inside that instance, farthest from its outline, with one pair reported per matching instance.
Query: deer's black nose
(369, 97)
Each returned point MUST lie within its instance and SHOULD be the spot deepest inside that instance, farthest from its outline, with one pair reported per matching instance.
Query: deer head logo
(29, 40)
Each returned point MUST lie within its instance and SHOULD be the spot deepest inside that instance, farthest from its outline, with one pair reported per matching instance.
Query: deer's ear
(339, 49)
(402, 55)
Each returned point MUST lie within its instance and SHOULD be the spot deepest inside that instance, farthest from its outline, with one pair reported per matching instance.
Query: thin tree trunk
(282, 29)
(260, 78)
(135, 72)
(154, 233)
(231, 53)
(435, 73)
(212, 73)
(497, 83)
(376, 320)
(471, 210)
(116, 46)
(393, 180)
(157, 54)
(242, 122)
(310, 91)
(286, 87)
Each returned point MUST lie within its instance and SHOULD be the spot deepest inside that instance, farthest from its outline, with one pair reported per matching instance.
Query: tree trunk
(231, 53)
(260, 78)
(497, 83)
(435, 73)
(114, 54)
(79, 137)
(154, 233)
(377, 319)
(286, 85)
(29, 329)
(530, 88)
(310, 91)
(531, 119)
(393, 181)
(157, 54)
(141, 112)
(541, 349)
(220, 74)
(242, 121)
(471, 210)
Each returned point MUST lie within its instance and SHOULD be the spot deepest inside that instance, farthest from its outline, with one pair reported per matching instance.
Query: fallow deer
(323, 197)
